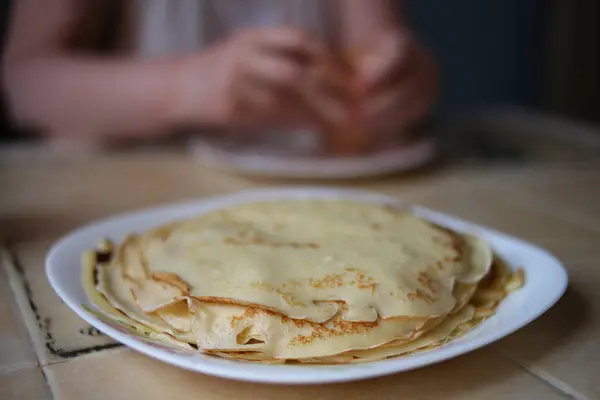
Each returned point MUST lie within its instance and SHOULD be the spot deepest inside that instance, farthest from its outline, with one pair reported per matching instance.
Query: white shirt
(180, 26)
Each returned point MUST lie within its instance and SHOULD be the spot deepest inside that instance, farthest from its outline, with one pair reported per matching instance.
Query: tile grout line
(7, 257)
(20, 286)
(48, 373)
(50, 363)
(51, 382)
(548, 379)
(10, 257)
(19, 367)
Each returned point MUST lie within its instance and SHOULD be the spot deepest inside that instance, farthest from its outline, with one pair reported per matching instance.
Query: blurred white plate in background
(304, 166)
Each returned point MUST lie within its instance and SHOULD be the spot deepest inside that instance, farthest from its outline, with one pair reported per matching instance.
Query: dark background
(540, 54)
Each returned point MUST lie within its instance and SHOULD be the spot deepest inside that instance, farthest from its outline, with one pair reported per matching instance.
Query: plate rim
(395, 160)
(296, 374)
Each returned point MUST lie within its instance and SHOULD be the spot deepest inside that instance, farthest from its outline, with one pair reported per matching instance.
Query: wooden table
(46, 351)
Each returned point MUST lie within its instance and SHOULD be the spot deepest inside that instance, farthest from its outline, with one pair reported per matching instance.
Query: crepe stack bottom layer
(305, 281)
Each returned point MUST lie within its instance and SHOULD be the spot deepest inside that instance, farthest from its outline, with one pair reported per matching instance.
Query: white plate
(546, 280)
(305, 167)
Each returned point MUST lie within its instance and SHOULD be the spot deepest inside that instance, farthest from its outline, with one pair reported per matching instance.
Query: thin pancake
(301, 258)
(230, 327)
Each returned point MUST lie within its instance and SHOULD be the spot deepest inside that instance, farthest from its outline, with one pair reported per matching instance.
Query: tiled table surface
(46, 351)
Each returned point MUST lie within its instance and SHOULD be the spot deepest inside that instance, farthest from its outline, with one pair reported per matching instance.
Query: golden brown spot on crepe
(229, 301)
(134, 296)
(338, 327)
(365, 282)
(457, 244)
(425, 280)
(232, 241)
(329, 281)
(354, 327)
(252, 312)
(420, 295)
(248, 314)
(172, 280)
(290, 300)
(451, 259)
(375, 226)
(300, 323)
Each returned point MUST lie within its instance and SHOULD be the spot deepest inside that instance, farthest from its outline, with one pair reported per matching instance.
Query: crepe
(457, 324)
(226, 327)
(403, 346)
(304, 258)
(299, 281)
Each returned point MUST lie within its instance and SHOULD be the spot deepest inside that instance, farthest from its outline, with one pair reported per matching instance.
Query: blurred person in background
(100, 71)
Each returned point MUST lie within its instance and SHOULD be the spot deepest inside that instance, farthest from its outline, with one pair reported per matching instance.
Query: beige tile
(57, 332)
(124, 374)
(44, 203)
(572, 194)
(16, 349)
(24, 384)
(568, 241)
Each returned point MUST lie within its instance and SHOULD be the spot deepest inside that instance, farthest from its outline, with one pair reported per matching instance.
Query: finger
(279, 73)
(253, 102)
(386, 64)
(325, 110)
(263, 104)
(392, 98)
(334, 77)
(325, 102)
(349, 138)
(287, 40)
(400, 118)
(328, 89)
(420, 77)
(328, 101)
(399, 108)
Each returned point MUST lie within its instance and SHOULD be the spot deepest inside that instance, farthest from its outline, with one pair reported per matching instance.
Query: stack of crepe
(310, 281)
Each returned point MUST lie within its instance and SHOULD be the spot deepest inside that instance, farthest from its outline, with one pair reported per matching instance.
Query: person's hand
(397, 84)
(258, 76)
